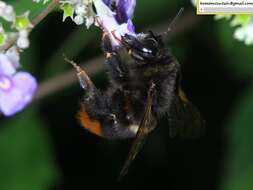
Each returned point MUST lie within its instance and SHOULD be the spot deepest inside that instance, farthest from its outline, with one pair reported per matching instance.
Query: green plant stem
(45, 12)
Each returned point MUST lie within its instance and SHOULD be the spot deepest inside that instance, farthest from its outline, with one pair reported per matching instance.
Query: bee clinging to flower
(144, 85)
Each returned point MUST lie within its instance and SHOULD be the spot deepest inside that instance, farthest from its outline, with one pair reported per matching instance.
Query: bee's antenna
(84, 79)
(173, 22)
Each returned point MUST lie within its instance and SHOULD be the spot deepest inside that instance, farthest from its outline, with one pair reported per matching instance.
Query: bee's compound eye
(150, 46)
(146, 50)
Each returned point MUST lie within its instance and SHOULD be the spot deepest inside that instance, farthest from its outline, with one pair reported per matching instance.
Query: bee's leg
(95, 104)
(106, 44)
(117, 69)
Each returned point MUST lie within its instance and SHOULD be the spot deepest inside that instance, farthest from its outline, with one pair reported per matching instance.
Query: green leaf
(26, 157)
(239, 156)
(2, 38)
(68, 10)
(21, 6)
(22, 21)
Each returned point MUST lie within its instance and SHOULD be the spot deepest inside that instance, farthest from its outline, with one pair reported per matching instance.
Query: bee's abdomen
(90, 124)
(107, 127)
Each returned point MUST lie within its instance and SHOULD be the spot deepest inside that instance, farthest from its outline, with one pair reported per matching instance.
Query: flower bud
(78, 20)
(23, 42)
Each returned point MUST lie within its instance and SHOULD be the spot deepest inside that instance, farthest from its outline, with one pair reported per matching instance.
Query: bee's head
(144, 47)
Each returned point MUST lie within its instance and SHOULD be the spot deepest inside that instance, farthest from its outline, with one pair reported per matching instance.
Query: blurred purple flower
(16, 88)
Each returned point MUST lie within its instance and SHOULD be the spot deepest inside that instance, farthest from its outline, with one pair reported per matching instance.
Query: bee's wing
(146, 126)
(185, 119)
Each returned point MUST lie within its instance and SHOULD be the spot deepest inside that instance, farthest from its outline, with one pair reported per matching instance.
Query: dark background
(62, 155)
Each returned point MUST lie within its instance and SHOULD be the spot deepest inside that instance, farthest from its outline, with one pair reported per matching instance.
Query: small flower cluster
(243, 26)
(80, 11)
(112, 16)
(16, 87)
(20, 24)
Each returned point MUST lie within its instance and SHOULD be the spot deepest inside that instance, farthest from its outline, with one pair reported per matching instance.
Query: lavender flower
(16, 88)
(114, 17)
(116, 20)
(124, 9)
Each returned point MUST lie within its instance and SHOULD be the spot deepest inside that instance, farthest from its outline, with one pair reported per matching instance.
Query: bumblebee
(144, 86)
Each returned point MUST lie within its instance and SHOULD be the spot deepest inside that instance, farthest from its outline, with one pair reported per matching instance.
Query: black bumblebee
(144, 86)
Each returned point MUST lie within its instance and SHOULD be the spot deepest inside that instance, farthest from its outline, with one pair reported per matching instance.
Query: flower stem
(45, 12)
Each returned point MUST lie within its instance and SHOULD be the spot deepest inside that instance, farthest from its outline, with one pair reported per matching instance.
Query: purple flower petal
(116, 31)
(108, 2)
(125, 10)
(5, 82)
(25, 82)
(21, 93)
(130, 26)
(7, 67)
(111, 27)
